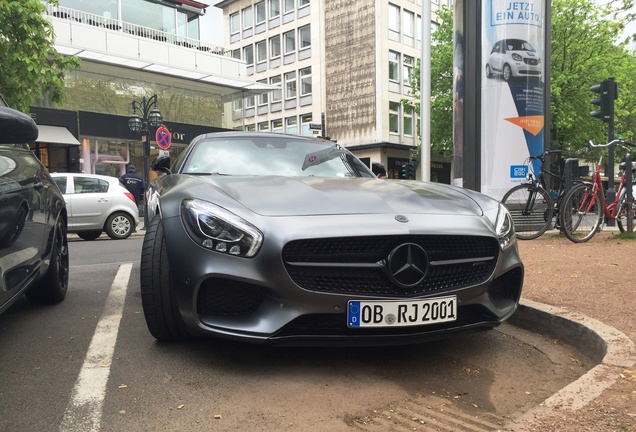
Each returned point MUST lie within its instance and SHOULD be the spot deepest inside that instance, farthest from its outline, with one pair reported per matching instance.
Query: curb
(611, 349)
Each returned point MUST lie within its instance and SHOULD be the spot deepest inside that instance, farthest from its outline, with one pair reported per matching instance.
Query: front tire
(507, 72)
(621, 210)
(89, 235)
(581, 213)
(52, 287)
(157, 291)
(119, 226)
(531, 210)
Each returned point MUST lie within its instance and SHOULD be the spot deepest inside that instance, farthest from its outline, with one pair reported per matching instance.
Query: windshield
(271, 155)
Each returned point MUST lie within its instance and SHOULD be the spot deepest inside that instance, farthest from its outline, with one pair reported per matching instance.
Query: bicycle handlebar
(613, 142)
(545, 153)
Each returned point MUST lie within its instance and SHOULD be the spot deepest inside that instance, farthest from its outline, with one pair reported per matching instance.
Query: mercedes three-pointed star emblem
(407, 265)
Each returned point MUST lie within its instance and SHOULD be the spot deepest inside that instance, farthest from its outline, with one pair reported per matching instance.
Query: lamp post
(149, 114)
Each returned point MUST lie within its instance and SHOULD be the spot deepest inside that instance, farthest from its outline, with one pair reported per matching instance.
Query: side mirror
(16, 127)
(161, 164)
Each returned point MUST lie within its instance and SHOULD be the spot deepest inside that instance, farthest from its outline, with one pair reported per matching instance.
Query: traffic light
(406, 171)
(608, 93)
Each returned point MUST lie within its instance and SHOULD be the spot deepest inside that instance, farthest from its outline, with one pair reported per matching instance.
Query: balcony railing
(126, 27)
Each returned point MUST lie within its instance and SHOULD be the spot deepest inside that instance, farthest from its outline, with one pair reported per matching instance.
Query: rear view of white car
(97, 204)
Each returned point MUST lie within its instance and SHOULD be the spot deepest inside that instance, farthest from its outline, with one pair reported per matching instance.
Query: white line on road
(84, 411)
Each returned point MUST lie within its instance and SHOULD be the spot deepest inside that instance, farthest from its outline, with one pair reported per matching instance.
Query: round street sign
(163, 137)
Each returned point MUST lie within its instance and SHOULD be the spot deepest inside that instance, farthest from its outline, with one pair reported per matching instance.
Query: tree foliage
(29, 65)
(441, 86)
(586, 48)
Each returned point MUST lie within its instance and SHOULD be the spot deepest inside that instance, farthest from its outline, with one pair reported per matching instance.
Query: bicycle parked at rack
(584, 208)
(531, 206)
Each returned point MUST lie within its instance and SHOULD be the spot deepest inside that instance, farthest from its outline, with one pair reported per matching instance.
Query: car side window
(90, 185)
(61, 183)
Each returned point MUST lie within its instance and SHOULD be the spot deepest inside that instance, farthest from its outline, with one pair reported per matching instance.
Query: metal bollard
(630, 193)
(570, 173)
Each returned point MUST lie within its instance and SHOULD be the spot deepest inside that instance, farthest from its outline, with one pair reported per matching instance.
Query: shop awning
(56, 135)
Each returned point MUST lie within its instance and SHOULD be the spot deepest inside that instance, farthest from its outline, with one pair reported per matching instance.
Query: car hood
(302, 196)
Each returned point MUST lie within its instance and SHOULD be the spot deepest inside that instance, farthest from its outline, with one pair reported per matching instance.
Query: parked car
(280, 239)
(98, 203)
(512, 58)
(33, 247)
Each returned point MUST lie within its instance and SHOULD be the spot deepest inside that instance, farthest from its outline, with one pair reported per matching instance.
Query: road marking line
(84, 411)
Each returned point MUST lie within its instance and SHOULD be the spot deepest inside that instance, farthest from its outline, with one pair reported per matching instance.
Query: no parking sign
(163, 137)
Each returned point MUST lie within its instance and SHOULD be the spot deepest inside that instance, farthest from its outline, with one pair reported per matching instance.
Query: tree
(586, 49)
(30, 67)
(441, 86)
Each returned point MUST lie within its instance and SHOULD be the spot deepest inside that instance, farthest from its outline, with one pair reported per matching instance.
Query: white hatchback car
(97, 203)
(513, 58)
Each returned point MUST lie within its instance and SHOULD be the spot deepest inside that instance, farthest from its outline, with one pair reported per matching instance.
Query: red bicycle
(584, 209)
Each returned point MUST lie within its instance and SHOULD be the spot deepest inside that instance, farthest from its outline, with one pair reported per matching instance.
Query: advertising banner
(512, 91)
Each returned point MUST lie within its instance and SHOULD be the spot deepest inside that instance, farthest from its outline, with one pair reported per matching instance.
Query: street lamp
(149, 114)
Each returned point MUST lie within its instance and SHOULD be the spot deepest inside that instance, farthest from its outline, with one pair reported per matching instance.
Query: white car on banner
(512, 58)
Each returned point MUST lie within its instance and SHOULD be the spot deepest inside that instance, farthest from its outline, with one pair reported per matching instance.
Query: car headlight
(220, 230)
(505, 228)
(517, 57)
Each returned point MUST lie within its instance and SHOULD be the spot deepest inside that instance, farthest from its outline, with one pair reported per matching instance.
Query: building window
(274, 46)
(407, 23)
(394, 18)
(394, 117)
(261, 51)
(248, 55)
(250, 128)
(418, 28)
(249, 102)
(407, 70)
(237, 104)
(289, 5)
(290, 42)
(394, 66)
(305, 120)
(236, 53)
(277, 95)
(274, 8)
(261, 12)
(304, 37)
(277, 125)
(305, 81)
(248, 18)
(291, 125)
(408, 121)
(303, 3)
(290, 85)
(263, 126)
(235, 23)
(263, 98)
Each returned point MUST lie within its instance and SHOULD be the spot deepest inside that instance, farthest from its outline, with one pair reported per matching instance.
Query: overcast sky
(212, 25)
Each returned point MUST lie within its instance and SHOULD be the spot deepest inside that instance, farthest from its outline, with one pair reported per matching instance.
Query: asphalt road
(89, 363)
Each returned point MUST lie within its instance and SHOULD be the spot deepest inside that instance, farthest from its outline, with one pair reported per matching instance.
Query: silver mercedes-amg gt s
(281, 239)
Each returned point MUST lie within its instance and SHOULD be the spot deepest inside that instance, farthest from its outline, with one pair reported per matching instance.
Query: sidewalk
(583, 295)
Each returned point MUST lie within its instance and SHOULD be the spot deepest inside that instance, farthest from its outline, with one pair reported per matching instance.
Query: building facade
(343, 68)
(131, 50)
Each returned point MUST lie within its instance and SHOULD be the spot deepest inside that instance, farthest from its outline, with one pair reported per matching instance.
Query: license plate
(401, 313)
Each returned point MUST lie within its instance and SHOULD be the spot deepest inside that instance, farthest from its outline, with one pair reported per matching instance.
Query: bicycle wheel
(581, 213)
(621, 210)
(531, 210)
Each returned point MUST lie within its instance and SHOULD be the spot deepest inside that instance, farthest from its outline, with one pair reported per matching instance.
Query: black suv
(33, 245)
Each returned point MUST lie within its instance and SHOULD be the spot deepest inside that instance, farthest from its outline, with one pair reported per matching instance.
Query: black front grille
(531, 61)
(507, 287)
(317, 264)
(225, 297)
